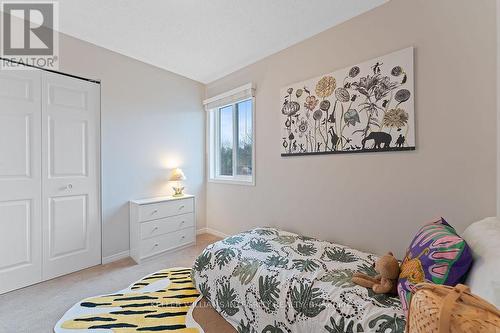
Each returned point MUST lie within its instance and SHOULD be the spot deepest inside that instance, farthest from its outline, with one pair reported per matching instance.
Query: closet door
(20, 189)
(70, 174)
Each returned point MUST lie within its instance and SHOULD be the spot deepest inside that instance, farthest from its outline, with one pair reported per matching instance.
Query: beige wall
(377, 201)
(152, 119)
(498, 106)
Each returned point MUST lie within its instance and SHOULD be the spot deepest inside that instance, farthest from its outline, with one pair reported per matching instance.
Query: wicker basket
(443, 309)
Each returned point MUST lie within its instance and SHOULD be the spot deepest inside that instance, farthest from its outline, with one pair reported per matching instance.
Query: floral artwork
(364, 108)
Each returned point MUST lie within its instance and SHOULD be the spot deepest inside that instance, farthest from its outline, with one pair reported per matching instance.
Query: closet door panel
(20, 179)
(15, 216)
(67, 148)
(16, 145)
(68, 225)
(70, 174)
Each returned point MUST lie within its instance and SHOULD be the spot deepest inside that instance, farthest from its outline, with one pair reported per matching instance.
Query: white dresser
(161, 224)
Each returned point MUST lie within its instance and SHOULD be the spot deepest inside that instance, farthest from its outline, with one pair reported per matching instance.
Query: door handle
(67, 187)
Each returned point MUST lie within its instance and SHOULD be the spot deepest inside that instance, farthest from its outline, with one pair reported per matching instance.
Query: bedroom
(170, 88)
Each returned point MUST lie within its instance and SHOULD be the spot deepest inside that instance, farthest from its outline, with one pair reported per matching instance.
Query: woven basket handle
(448, 302)
(465, 296)
(450, 296)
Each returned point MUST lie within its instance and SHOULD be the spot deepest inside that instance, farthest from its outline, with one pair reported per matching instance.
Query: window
(231, 139)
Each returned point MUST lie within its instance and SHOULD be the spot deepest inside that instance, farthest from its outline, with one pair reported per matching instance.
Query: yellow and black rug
(160, 302)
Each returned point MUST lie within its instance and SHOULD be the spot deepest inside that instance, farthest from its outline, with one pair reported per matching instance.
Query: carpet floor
(37, 308)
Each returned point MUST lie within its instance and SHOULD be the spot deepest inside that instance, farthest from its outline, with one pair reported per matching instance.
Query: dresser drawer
(166, 225)
(165, 209)
(165, 242)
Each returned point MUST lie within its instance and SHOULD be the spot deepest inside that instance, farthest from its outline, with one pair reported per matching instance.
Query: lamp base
(178, 191)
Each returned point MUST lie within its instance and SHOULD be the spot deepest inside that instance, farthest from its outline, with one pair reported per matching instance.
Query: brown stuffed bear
(385, 282)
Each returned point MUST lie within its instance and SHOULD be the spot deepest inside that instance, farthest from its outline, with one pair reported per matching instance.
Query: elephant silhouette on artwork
(379, 138)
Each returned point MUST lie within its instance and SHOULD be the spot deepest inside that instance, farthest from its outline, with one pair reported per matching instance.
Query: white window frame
(213, 143)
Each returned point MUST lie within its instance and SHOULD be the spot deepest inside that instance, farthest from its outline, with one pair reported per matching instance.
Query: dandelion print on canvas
(363, 108)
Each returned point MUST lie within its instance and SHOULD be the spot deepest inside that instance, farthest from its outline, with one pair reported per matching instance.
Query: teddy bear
(385, 282)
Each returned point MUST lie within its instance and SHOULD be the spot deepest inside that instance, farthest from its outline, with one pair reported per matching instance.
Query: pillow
(483, 238)
(436, 255)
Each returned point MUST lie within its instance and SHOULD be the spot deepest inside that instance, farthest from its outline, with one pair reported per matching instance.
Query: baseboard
(201, 231)
(211, 232)
(115, 257)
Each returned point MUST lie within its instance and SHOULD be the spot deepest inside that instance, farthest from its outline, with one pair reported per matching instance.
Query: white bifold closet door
(70, 174)
(20, 181)
(49, 176)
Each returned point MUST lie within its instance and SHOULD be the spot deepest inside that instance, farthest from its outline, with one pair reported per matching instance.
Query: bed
(273, 281)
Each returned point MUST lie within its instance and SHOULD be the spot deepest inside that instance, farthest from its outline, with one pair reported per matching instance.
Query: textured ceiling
(203, 39)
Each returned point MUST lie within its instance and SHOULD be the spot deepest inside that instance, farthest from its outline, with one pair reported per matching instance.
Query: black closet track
(52, 71)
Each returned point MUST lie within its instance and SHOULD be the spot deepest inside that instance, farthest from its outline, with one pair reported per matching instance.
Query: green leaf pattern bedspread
(271, 281)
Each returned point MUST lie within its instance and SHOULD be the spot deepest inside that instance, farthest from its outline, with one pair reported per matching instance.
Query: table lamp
(177, 176)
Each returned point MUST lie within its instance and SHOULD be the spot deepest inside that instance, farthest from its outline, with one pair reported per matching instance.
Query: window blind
(232, 96)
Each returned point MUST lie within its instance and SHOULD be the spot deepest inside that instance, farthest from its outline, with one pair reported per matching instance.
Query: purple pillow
(436, 255)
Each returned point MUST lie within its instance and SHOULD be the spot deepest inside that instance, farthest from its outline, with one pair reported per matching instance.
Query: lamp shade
(176, 175)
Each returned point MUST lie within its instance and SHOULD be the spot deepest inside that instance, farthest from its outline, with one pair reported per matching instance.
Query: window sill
(232, 181)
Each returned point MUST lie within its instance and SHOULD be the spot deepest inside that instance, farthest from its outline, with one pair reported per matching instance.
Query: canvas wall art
(367, 107)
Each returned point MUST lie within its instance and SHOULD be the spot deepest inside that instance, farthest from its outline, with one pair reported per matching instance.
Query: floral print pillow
(436, 255)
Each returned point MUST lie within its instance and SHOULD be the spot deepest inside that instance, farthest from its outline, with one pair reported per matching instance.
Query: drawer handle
(182, 223)
(154, 229)
(183, 237)
(156, 245)
(181, 207)
(154, 212)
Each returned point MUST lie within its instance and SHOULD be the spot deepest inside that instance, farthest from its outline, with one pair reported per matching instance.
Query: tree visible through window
(226, 140)
(245, 140)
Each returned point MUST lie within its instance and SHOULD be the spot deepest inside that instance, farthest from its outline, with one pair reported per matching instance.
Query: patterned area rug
(160, 302)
